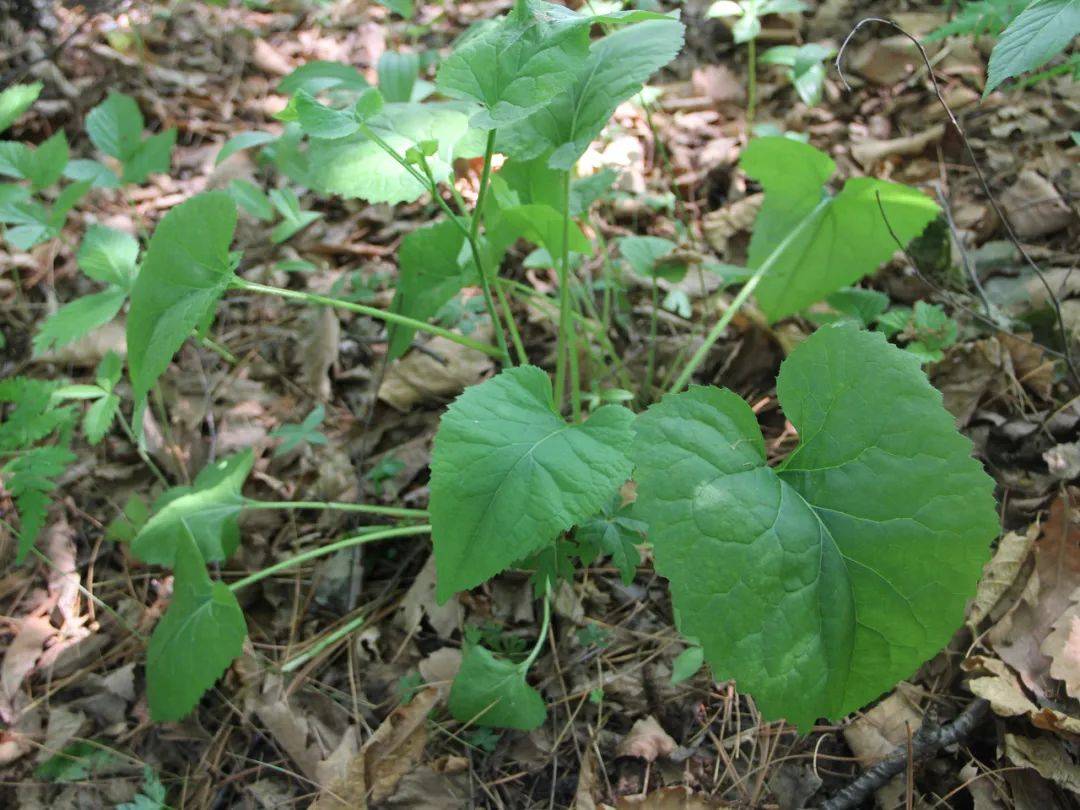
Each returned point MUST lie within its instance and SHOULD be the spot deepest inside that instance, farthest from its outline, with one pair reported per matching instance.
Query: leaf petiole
(388, 511)
(544, 625)
(371, 312)
(315, 553)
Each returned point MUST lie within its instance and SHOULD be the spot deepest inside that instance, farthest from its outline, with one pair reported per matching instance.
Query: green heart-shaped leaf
(489, 691)
(819, 584)
(508, 474)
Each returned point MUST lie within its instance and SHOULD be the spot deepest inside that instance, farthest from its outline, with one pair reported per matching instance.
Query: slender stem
(650, 366)
(322, 644)
(744, 293)
(388, 511)
(315, 553)
(566, 346)
(515, 335)
(140, 449)
(474, 246)
(528, 662)
(371, 312)
(216, 348)
(751, 104)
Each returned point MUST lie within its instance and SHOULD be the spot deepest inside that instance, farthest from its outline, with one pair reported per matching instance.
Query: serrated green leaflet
(16, 100)
(515, 65)
(28, 478)
(815, 244)
(78, 319)
(184, 273)
(615, 69)
(109, 256)
(115, 127)
(357, 166)
(201, 633)
(493, 692)
(1037, 35)
(42, 166)
(508, 474)
(431, 273)
(207, 511)
(840, 572)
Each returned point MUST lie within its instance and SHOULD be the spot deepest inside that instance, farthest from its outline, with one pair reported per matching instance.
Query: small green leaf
(200, 635)
(91, 171)
(318, 76)
(431, 272)
(252, 199)
(245, 140)
(294, 219)
(508, 475)
(99, 417)
(75, 762)
(76, 320)
(1037, 35)
(115, 126)
(823, 243)
(109, 256)
(152, 156)
(398, 74)
(403, 8)
(686, 664)
(16, 100)
(489, 691)
(317, 120)
(29, 478)
(306, 432)
(618, 535)
(839, 572)
(207, 511)
(185, 271)
(644, 254)
(49, 161)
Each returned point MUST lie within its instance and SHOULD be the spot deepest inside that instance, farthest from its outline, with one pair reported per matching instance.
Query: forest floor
(295, 712)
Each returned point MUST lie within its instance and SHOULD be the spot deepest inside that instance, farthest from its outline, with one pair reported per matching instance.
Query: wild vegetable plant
(816, 583)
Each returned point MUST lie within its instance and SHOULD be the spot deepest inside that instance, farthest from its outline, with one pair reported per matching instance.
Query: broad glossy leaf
(358, 167)
(615, 70)
(517, 64)
(819, 584)
(109, 256)
(16, 100)
(208, 511)
(489, 691)
(828, 242)
(1037, 35)
(201, 633)
(77, 319)
(431, 272)
(508, 475)
(184, 273)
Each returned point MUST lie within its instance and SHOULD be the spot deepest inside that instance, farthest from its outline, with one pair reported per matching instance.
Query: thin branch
(926, 742)
(1009, 232)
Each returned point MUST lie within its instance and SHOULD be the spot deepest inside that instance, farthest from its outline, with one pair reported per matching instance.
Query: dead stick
(928, 740)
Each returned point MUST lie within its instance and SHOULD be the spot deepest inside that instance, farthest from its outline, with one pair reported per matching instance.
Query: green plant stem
(315, 553)
(567, 347)
(322, 644)
(427, 179)
(535, 653)
(515, 335)
(140, 449)
(216, 348)
(751, 89)
(650, 365)
(474, 245)
(388, 511)
(741, 297)
(371, 312)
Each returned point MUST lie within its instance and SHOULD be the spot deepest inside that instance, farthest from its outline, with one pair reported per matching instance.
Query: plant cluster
(816, 583)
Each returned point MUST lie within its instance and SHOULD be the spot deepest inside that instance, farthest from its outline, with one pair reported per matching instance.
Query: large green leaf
(431, 272)
(184, 273)
(508, 474)
(357, 167)
(207, 511)
(822, 243)
(201, 633)
(1037, 35)
(615, 70)
(515, 65)
(492, 692)
(820, 584)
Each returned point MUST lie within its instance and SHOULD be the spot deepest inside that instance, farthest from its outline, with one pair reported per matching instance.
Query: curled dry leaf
(439, 372)
(1045, 756)
(420, 601)
(1034, 206)
(874, 734)
(23, 651)
(1001, 572)
(647, 740)
(996, 683)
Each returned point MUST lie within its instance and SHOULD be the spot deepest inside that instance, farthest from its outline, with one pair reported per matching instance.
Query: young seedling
(115, 127)
(746, 29)
(805, 68)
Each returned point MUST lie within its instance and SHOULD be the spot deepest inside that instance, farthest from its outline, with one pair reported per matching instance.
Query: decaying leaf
(438, 373)
(647, 740)
(1001, 572)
